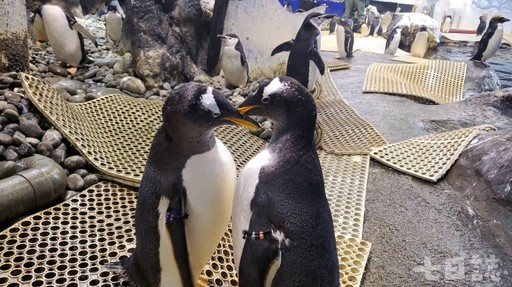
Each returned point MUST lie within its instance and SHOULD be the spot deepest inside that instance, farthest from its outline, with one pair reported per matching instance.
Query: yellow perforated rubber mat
(336, 64)
(428, 157)
(113, 133)
(439, 81)
(71, 243)
(344, 131)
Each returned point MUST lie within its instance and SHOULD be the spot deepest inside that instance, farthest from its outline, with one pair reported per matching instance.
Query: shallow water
(501, 62)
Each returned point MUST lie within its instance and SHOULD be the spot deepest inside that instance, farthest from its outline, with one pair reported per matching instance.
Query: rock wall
(13, 36)
(168, 39)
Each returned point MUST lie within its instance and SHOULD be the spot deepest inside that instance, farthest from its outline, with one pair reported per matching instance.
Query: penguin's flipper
(175, 222)
(258, 257)
(283, 47)
(85, 32)
(315, 56)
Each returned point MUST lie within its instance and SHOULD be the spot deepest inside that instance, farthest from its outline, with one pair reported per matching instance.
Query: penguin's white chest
(244, 194)
(114, 25)
(64, 40)
(393, 46)
(209, 180)
(340, 39)
(38, 29)
(494, 43)
(234, 73)
(419, 45)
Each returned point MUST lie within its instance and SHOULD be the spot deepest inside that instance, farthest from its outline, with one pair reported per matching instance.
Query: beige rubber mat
(344, 131)
(113, 133)
(71, 243)
(428, 157)
(409, 59)
(439, 81)
(336, 64)
(345, 179)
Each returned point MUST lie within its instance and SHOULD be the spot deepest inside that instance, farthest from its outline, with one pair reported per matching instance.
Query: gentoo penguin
(62, 31)
(232, 61)
(491, 40)
(447, 24)
(113, 25)
(186, 193)
(481, 27)
(288, 7)
(304, 54)
(393, 41)
(375, 28)
(283, 231)
(344, 39)
(419, 45)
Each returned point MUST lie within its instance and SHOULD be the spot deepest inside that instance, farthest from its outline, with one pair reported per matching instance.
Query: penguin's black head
(229, 39)
(317, 18)
(112, 8)
(199, 107)
(498, 19)
(283, 100)
(423, 29)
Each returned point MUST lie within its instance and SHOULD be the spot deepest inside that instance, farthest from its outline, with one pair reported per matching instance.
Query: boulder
(411, 23)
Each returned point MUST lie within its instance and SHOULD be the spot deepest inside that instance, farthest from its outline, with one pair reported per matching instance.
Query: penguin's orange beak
(244, 110)
(248, 123)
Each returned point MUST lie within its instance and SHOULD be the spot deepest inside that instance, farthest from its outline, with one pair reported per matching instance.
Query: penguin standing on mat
(304, 53)
(344, 39)
(64, 33)
(419, 45)
(491, 40)
(113, 24)
(481, 27)
(393, 41)
(283, 231)
(233, 62)
(186, 193)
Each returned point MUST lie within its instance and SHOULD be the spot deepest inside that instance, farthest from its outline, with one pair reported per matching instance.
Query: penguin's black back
(484, 41)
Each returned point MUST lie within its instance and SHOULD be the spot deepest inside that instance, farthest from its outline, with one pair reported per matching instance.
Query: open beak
(244, 122)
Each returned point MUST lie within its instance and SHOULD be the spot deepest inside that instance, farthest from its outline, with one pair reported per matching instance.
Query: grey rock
(13, 127)
(57, 70)
(25, 150)
(6, 80)
(71, 86)
(109, 62)
(479, 79)
(82, 172)
(133, 85)
(75, 182)
(74, 162)
(7, 168)
(58, 155)
(62, 146)
(123, 65)
(21, 165)
(33, 67)
(41, 68)
(33, 142)
(12, 75)
(3, 122)
(44, 148)
(5, 139)
(10, 154)
(53, 137)
(13, 98)
(91, 73)
(100, 91)
(90, 180)
(411, 23)
(266, 134)
(31, 128)
(11, 115)
(77, 99)
(167, 86)
(18, 138)
(4, 105)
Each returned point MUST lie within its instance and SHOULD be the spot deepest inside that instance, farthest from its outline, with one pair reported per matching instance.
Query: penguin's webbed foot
(72, 70)
(485, 64)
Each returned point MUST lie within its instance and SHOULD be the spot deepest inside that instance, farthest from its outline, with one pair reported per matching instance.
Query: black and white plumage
(185, 196)
(491, 40)
(344, 39)
(113, 24)
(64, 33)
(419, 45)
(393, 41)
(375, 27)
(283, 232)
(481, 27)
(233, 62)
(304, 61)
(447, 24)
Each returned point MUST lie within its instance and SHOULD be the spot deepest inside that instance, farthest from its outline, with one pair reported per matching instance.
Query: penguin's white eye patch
(208, 102)
(276, 86)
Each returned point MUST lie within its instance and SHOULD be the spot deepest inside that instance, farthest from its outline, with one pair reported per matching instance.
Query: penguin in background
(419, 45)
(283, 231)
(64, 33)
(38, 30)
(332, 25)
(375, 28)
(233, 62)
(113, 25)
(344, 38)
(447, 24)
(491, 40)
(304, 61)
(185, 196)
(393, 41)
(481, 27)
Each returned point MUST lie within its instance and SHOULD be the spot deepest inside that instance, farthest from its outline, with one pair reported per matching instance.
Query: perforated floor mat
(439, 81)
(69, 244)
(113, 133)
(428, 157)
(336, 64)
(409, 59)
